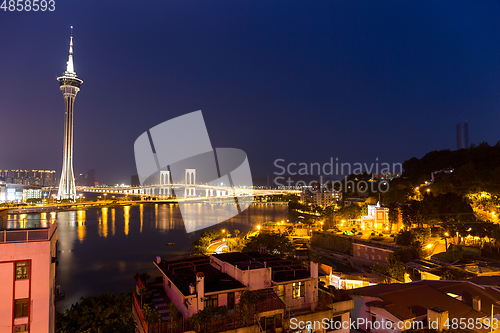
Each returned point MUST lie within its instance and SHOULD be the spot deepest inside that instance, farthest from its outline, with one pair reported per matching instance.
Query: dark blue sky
(297, 80)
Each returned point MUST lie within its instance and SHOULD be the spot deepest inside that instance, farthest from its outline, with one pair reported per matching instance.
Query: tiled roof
(410, 300)
(267, 300)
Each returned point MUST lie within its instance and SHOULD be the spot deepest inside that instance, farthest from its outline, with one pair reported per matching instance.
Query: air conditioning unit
(21, 328)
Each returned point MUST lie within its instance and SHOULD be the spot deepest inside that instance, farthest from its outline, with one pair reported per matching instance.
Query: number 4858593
(28, 5)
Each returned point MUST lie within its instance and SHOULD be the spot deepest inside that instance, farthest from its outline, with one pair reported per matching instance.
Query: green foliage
(200, 245)
(475, 169)
(381, 269)
(396, 262)
(453, 274)
(416, 236)
(246, 306)
(98, 314)
(447, 209)
(151, 316)
(397, 271)
(275, 243)
(403, 256)
(203, 319)
(143, 277)
(400, 191)
(235, 244)
(329, 241)
(174, 311)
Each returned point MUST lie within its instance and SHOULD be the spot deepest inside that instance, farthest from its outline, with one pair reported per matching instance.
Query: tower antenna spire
(70, 68)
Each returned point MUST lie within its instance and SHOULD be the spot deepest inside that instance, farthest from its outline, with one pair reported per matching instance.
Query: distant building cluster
(20, 193)
(29, 177)
(385, 175)
(320, 198)
(86, 179)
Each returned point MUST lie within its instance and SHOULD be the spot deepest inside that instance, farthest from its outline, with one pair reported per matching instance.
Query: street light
(258, 227)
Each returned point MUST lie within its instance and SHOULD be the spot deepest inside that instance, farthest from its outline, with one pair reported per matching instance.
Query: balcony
(27, 235)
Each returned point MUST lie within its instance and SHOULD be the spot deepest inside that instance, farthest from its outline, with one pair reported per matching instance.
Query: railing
(27, 235)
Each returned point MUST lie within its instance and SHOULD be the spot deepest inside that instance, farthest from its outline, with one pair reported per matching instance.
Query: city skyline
(379, 86)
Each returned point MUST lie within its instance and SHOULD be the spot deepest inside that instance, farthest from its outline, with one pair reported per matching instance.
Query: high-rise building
(69, 84)
(462, 135)
(28, 273)
(86, 179)
(29, 177)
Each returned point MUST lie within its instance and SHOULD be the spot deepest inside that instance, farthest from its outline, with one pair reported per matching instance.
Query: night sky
(297, 80)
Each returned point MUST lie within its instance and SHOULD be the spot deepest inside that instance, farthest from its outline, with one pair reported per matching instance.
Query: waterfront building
(20, 193)
(29, 177)
(28, 259)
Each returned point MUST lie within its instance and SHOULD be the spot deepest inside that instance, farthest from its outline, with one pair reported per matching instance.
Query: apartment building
(28, 275)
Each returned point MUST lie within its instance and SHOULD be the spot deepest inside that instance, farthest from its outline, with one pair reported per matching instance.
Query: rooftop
(182, 272)
(27, 235)
(410, 300)
(282, 269)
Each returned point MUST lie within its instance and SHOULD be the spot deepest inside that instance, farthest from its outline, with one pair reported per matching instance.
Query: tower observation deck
(69, 83)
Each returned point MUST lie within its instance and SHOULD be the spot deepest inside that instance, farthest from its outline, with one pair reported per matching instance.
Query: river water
(100, 249)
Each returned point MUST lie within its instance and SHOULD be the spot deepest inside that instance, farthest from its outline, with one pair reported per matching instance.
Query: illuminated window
(211, 301)
(21, 307)
(298, 289)
(281, 292)
(22, 270)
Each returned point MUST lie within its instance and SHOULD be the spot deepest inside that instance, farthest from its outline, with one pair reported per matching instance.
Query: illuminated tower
(69, 84)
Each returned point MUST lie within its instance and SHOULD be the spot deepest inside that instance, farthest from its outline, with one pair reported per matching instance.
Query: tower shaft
(70, 86)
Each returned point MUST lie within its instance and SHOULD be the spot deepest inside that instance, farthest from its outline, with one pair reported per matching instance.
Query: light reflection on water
(101, 249)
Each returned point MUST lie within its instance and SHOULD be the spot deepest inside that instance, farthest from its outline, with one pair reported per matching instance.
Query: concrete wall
(178, 298)
(258, 278)
(370, 252)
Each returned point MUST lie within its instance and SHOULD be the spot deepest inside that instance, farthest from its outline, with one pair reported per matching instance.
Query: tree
(397, 271)
(450, 273)
(275, 243)
(145, 293)
(403, 255)
(201, 244)
(151, 316)
(396, 261)
(104, 313)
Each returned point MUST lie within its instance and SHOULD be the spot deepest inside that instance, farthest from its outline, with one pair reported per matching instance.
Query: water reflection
(126, 217)
(141, 208)
(28, 221)
(94, 259)
(103, 227)
(113, 220)
(81, 225)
